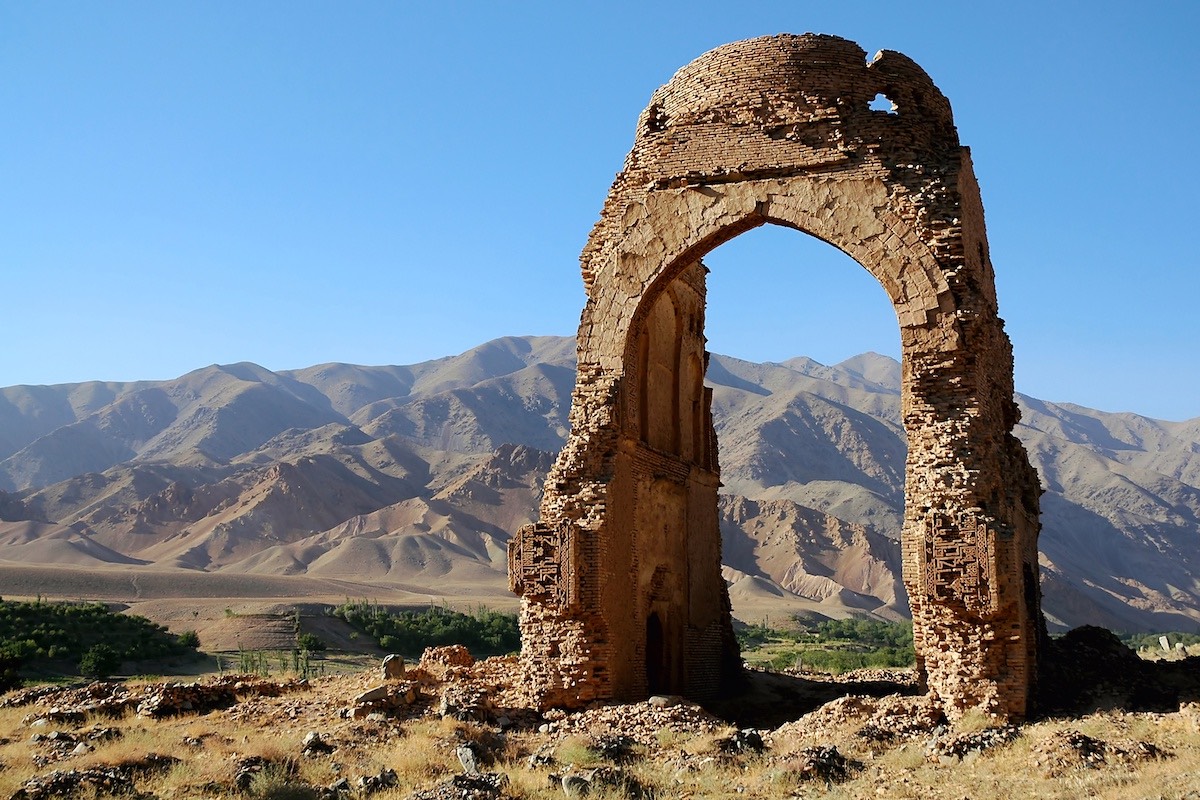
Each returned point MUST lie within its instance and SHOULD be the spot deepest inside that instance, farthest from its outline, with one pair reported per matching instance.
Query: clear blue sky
(290, 183)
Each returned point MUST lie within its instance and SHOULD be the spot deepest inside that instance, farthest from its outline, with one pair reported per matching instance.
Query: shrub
(310, 642)
(99, 662)
(8, 673)
(189, 639)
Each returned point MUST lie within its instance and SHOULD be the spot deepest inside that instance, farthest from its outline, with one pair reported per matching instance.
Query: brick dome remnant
(620, 579)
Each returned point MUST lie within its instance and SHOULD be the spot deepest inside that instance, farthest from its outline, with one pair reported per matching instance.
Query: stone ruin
(620, 580)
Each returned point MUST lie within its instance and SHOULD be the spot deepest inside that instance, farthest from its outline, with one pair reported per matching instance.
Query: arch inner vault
(620, 579)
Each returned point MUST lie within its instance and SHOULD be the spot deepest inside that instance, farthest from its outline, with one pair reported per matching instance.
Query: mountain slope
(415, 476)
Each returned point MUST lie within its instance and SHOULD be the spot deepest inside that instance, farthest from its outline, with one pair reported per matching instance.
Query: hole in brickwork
(883, 103)
(656, 119)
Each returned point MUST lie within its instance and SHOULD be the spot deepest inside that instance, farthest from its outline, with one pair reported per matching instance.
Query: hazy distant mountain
(415, 476)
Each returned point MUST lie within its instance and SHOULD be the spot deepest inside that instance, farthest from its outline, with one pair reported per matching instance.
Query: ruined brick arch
(620, 579)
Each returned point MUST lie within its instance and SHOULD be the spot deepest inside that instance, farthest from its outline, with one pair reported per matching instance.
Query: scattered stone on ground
(585, 782)
(370, 784)
(484, 786)
(314, 744)
(103, 780)
(683, 740)
(823, 764)
(1067, 750)
(742, 742)
(947, 747)
(58, 745)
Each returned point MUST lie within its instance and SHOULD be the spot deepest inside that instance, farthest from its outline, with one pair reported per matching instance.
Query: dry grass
(421, 751)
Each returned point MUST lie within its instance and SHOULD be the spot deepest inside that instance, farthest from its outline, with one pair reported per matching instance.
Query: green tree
(99, 662)
(310, 641)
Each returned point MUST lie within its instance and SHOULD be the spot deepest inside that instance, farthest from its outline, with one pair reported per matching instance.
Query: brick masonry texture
(620, 579)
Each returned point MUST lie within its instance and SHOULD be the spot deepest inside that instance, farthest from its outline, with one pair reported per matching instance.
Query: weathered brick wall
(621, 578)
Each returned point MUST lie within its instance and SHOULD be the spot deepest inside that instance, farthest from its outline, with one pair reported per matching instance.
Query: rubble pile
(446, 662)
(73, 705)
(823, 764)
(483, 786)
(947, 747)
(877, 719)
(465, 703)
(1069, 750)
(640, 722)
(59, 745)
(387, 698)
(106, 780)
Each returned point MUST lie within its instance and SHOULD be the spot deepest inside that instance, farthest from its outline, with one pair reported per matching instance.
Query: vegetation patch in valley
(834, 646)
(484, 632)
(89, 637)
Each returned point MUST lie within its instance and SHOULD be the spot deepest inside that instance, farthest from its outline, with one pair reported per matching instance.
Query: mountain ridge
(416, 474)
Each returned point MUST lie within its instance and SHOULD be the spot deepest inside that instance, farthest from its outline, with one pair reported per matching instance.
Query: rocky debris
(393, 667)
(483, 786)
(27, 696)
(172, 699)
(384, 699)
(72, 705)
(464, 703)
(823, 764)
(103, 780)
(57, 745)
(877, 719)
(110, 699)
(335, 790)
(438, 661)
(616, 747)
(542, 757)
(949, 748)
(742, 742)
(1070, 749)
(370, 784)
(314, 744)
(640, 722)
(890, 676)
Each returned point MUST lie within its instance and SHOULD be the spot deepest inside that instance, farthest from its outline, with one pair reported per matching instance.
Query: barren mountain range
(414, 477)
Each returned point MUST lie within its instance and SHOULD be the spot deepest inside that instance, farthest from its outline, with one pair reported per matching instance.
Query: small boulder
(393, 667)
(468, 758)
(314, 744)
(373, 695)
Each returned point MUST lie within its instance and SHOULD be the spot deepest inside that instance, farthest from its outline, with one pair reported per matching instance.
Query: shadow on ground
(1089, 669)
(1085, 671)
(769, 699)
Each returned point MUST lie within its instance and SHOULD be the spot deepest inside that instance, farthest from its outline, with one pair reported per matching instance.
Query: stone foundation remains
(621, 585)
